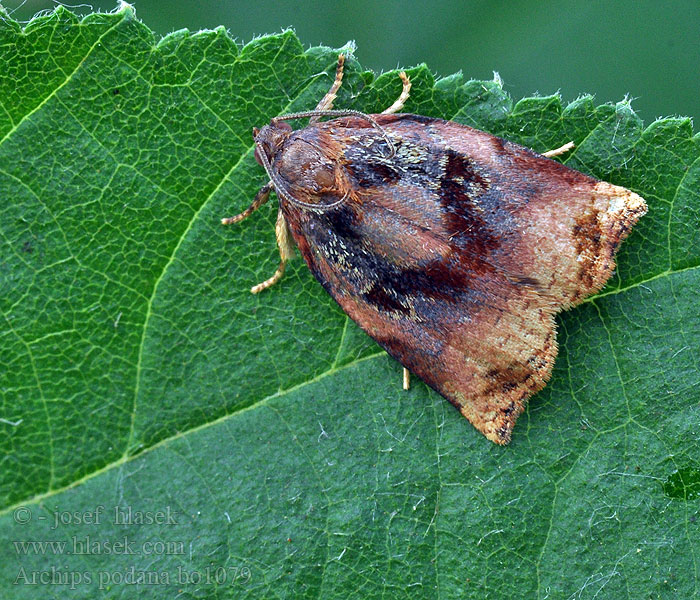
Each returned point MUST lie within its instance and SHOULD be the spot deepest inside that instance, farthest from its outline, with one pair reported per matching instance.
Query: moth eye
(284, 125)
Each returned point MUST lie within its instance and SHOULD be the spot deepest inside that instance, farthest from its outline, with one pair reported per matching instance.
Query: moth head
(269, 139)
(310, 167)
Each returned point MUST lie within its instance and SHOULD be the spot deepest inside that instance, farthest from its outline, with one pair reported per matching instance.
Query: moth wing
(456, 253)
(486, 357)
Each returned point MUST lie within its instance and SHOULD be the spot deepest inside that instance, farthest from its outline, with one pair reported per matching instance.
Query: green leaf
(270, 433)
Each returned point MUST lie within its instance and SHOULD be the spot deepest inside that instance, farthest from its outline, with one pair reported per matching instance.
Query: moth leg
(563, 150)
(260, 198)
(401, 100)
(326, 102)
(406, 378)
(286, 248)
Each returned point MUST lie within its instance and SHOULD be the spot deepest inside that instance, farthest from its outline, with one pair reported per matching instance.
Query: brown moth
(452, 248)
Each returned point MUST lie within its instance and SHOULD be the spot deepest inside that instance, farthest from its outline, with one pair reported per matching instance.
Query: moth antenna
(282, 191)
(342, 113)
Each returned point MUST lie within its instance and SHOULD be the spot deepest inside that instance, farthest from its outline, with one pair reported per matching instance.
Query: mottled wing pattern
(456, 252)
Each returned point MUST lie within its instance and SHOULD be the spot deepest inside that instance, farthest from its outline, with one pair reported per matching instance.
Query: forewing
(456, 252)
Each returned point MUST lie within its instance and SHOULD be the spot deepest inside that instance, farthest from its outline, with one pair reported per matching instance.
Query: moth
(452, 248)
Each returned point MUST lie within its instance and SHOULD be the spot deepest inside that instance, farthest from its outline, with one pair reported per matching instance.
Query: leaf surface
(141, 373)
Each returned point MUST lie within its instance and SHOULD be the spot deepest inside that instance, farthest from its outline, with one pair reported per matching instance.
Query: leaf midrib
(171, 259)
(126, 458)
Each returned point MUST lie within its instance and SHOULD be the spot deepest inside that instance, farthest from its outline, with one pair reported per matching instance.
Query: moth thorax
(309, 174)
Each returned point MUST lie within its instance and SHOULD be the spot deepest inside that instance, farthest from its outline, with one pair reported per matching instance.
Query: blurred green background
(649, 50)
